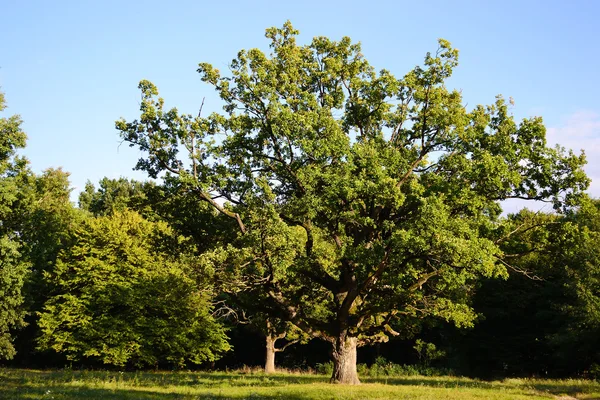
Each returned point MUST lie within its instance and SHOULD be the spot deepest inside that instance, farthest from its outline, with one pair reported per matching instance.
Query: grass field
(66, 384)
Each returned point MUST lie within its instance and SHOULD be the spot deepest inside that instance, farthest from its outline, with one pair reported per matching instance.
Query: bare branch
(518, 228)
(519, 270)
(223, 311)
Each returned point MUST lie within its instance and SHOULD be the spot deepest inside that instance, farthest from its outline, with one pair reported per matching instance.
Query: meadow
(23, 384)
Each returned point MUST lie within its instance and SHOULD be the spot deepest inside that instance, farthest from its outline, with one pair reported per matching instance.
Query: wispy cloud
(581, 131)
(578, 131)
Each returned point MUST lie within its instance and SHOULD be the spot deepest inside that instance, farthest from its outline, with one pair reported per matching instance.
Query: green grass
(66, 384)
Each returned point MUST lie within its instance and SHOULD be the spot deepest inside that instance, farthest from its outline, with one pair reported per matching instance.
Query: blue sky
(71, 68)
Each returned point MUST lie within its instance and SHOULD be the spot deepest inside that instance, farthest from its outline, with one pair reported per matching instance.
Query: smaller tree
(279, 330)
(242, 292)
(127, 295)
(255, 314)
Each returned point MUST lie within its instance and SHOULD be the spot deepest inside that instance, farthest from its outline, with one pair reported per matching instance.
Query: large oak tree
(394, 184)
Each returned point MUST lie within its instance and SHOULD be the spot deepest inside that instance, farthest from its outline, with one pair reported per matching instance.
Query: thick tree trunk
(344, 361)
(270, 355)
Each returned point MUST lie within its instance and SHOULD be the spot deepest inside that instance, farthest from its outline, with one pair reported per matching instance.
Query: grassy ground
(65, 384)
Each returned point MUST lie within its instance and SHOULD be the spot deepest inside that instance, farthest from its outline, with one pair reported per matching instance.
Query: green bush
(382, 367)
(324, 368)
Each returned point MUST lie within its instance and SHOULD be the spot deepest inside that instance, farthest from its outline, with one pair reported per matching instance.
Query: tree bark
(344, 361)
(270, 355)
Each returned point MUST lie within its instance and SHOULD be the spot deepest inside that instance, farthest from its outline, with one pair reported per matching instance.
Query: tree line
(328, 202)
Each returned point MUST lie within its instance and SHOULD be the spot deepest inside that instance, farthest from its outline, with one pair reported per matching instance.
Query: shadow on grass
(432, 382)
(566, 387)
(144, 379)
(72, 393)
(71, 384)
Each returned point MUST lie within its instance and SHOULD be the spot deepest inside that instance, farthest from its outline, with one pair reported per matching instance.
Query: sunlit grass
(67, 384)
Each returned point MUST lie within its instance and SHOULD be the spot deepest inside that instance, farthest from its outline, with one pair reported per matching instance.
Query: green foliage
(12, 274)
(45, 219)
(359, 198)
(544, 318)
(125, 295)
(115, 195)
(384, 368)
(324, 368)
(427, 352)
(13, 268)
(47, 223)
(577, 257)
(37, 218)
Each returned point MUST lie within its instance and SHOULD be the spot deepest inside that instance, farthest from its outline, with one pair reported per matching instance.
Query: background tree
(12, 273)
(13, 266)
(576, 260)
(116, 195)
(159, 202)
(516, 315)
(395, 175)
(37, 217)
(543, 319)
(127, 295)
(46, 221)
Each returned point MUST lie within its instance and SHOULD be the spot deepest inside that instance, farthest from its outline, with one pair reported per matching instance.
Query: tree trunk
(270, 356)
(344, 361)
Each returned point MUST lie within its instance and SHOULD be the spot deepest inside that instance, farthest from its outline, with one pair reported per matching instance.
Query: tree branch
(518, 228)
(206, 197)
(288, 344)
(519, 270)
